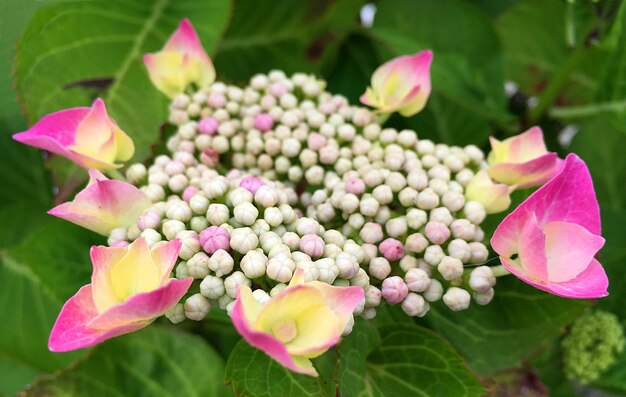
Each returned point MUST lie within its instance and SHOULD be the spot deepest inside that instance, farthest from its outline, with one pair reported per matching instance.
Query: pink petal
(530, 173)
(264, 341)
(185, 39)
(569, 248)
(70, 331)
(532, 250)
(568, 197)
(165, 257)
(143, 307)
(54, 132)
(341, 300)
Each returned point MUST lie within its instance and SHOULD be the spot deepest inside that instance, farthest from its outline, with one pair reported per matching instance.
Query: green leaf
(405, 360)
(73, 52)
(252, 373)
(614, 379)
(467, 82)
(153, 362)
(294, 36)
(518, 321)
(14, 375)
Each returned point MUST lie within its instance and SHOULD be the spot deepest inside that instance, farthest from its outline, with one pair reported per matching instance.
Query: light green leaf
(153, 362)
(73, 52)
(518, 321)
(467, 82)
(252, 373)
(14, 374)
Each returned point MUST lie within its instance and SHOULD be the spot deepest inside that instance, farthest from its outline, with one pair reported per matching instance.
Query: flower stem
(383, 117)
(115, 174)
(499, 271)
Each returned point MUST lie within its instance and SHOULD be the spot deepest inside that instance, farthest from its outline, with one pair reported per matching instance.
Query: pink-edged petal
(569, 248)
(532, 250)
(341, 300)
(568, 197)
(70, 331)
(530, 173)
(165, 257)
(592, 283)
(103, 259)
(526, 146)
(265, 342)
(54, 132)
(94, 130)
(144, 306)
(185, 39)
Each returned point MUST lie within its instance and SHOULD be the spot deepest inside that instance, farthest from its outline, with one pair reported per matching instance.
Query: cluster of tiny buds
(384, 209)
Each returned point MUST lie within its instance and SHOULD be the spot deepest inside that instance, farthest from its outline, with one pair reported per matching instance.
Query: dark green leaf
(153, 362)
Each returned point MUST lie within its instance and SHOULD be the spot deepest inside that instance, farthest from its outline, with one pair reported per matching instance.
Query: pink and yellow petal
(527, 174)
(494, 197)
(569, 249)
(341, 300)
(143, 307)
(70, 331)
(317, 330)
(103, 259)
(165, 257)
(288, 304)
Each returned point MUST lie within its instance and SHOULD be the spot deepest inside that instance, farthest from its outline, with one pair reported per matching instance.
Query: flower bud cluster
(384, 209)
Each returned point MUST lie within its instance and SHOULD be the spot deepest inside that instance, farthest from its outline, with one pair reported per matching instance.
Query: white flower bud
(215, 189)
(151, 236)
(198, 265)
(291, 240)
(475, 212)
(434, 291)
(225, 302)
(232, 283)
(373, 296)
(450, 268)
(416, 243)
(417, 179)
(463, 229)
(278, 288)
(483, 298)
(245, 214)
(136, 173)
(182, 271)
(407, 196)
(154, 192)
(273, 216)
(479, 253)
(464, 176)
(178, 183)
(427, 199)
(189, 244)
(221, 263)
(239, 196)
(416, 218)
(460, 249)
(307, 226)
(379, 268)
(433, 255)
(360, 279)
(408, 262)
(331, 250)
(280, 268)
(243, 240)
(482, 279)
(453, 201)
(417, 280)
(269, 240)
(383, 215)
(349, 203)
(253, 264)
(371, 233)
(266, 196)
(288, 213)
(327, 269)
(479, 234)
(217, 214)
(334, 237)
(369, 206)
(158, 178)
(457, 299)
(199, 203)
(354, 249)
(396, 227)
(197, 307)
(383, 194)
(176, 313)
(341, 283)
(356, 221)
(474, 153)
(117, 235)
(261, 296)
(212, 287)
(396, 181)
(415, 305)
(347, 265)
(179, 211)
(441, 215)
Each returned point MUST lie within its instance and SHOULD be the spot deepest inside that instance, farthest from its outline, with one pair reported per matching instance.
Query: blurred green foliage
(567, 60)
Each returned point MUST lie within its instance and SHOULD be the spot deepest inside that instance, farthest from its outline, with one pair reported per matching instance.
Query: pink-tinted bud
(120, 244)
(312, 245)
(216, 100)
(355, 186)
(391, 249)
(208, 126)
(251, 184)
(210, 157)
(214, 238)
(189, 192)
(316, 141)
(263, 122)
(437, 232)
(394, 289)
(233, 174)
(149, 220)
(278, 89)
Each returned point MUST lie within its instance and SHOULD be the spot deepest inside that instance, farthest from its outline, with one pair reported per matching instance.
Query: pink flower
(87, 136)
(189, 192)
(401, 85)
(130, 287)
(522, 160)
(251, 184)
(181, 62)
(437, 232)
(394, 289)
(299, 323)
(104, 205)
(312, 245)
(214, 238)
(208, 126)
(391, 249)
(263, 122)
(550, 240)
(210, 157)
(355, 186)
(316, 141)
